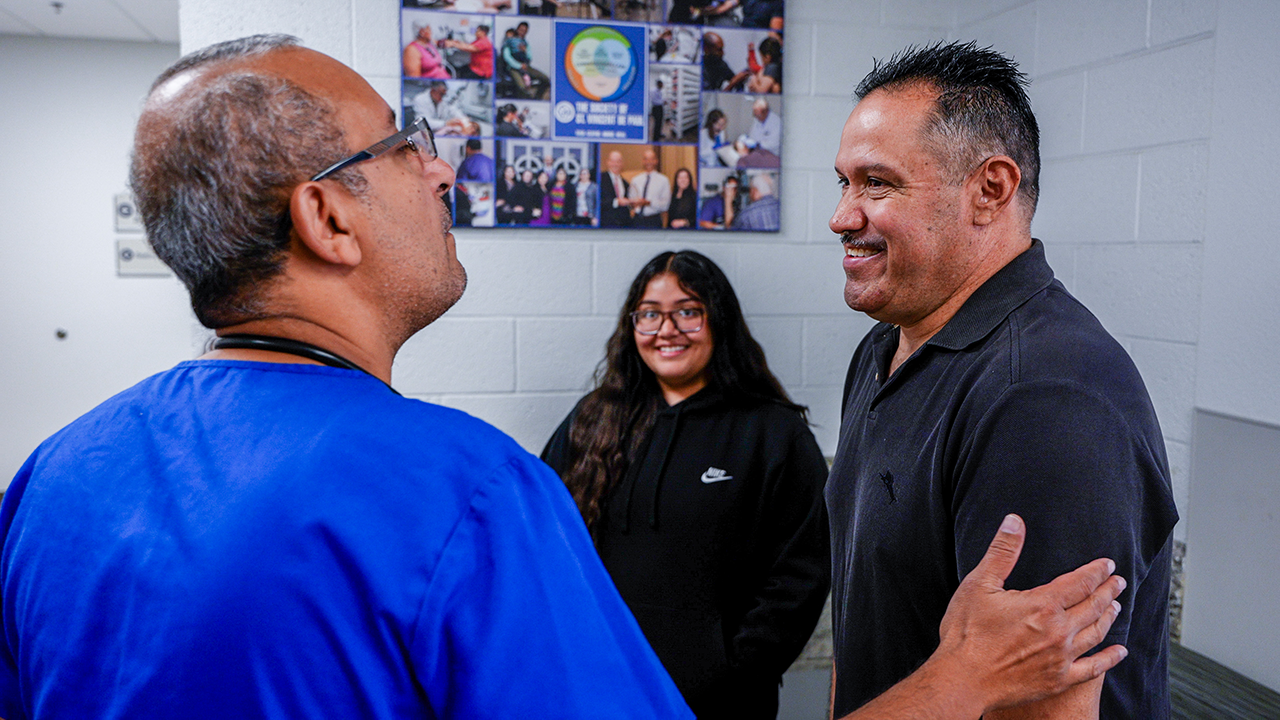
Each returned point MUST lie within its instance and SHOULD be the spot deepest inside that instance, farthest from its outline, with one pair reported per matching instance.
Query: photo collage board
(601, 113)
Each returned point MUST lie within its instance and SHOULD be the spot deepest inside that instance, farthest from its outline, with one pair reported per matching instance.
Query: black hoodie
(717, 540)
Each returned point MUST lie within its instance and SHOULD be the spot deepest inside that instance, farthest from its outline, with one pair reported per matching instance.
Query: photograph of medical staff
(454, 108)
(648, 11)
(444, 46)
(719, 198)
(740, 131)
(524, 57)
(473, 204)
(524, 119)
(471, 159)
(763, 14)
(674, 44)
(763, 210)
(576, 9)
(673, 103)
(741, 60)
(477, 44)
(739, 200)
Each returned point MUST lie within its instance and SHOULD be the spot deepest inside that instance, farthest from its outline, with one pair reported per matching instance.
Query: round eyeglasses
(686, 320)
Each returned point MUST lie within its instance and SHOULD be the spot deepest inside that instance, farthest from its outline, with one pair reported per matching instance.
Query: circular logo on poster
(601, 63)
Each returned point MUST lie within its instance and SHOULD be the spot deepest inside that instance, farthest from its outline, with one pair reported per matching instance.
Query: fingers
(1079, 584)
(1096, 615)
(1003, 554)
(1088, 668)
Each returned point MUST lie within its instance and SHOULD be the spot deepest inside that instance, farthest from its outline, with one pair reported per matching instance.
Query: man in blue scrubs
(270, 530)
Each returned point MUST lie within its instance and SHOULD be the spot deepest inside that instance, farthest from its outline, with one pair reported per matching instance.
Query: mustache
(850, 238)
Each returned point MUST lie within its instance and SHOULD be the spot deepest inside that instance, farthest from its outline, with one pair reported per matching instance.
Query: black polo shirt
(1022, 403)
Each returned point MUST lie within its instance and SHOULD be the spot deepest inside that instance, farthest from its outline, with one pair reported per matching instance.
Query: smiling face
(678, 360)
(683, 179)
(901, 215)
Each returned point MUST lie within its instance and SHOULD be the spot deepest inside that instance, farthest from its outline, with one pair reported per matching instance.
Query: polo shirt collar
(1000, 295)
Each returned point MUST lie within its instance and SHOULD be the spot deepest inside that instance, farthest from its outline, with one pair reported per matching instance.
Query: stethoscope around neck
(240, 341)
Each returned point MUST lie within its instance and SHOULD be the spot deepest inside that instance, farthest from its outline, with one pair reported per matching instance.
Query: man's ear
(994, 185)
(323, 220)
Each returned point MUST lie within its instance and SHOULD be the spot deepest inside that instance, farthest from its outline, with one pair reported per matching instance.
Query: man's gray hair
(213, 184)
(762, 183)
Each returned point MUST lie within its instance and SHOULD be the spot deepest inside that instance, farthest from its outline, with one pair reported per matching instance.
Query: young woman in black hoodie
(702, 486)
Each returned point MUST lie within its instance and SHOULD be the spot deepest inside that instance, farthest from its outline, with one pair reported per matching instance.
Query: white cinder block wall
(520, 347)
(1158, 209)
(1122, 91)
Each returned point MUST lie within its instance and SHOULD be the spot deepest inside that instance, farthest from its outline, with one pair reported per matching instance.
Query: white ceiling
(140, 20)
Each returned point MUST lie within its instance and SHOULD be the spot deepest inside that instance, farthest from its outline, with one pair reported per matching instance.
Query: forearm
(936, 691)
(1078, 703)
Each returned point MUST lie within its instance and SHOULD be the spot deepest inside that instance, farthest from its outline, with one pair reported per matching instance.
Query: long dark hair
(712, 118)
(613, 419)
(679, 192)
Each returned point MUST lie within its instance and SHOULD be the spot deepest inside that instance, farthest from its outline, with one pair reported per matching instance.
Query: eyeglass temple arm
(342, 164)
(372, 151)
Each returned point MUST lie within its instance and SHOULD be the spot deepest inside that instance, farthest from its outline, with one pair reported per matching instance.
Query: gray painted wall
(1233, 533)
(65, 132)
(1232, 567)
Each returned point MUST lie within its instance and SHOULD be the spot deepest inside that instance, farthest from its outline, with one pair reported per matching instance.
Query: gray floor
(805, 695)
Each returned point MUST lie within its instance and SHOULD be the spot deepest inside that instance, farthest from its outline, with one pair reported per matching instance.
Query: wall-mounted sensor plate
(127, 218)
(135, 258)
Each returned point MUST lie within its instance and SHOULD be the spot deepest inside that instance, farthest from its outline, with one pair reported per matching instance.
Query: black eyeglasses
(418, 135)
(686, 319)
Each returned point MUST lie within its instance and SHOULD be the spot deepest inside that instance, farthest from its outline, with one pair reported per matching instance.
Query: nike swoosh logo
(715, 475)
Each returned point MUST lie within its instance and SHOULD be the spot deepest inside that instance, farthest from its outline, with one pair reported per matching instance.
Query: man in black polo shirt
(985, 389)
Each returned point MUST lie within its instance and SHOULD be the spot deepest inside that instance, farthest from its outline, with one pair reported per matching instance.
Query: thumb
(1002, 554)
